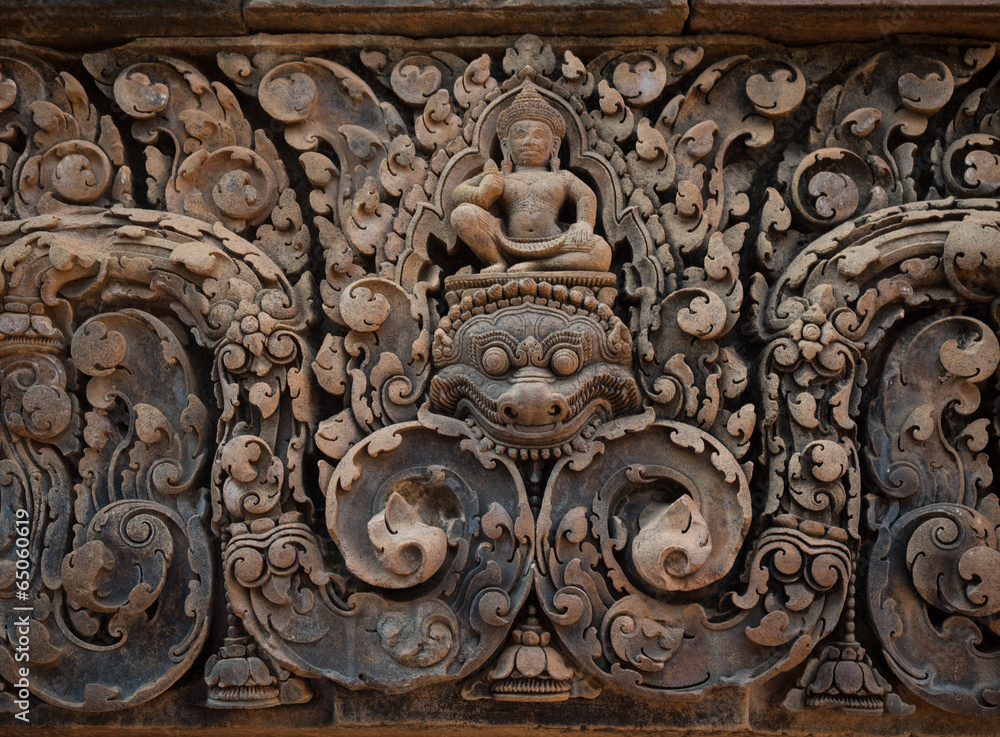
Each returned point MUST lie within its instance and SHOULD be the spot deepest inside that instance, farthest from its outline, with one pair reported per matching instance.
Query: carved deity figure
(530, 192)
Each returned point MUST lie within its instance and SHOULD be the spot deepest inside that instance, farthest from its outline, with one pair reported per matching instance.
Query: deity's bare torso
(532, 203)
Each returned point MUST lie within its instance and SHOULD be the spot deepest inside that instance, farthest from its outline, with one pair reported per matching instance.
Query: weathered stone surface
(457, 17)
(823, 21)
(361, 383)
(95, 23)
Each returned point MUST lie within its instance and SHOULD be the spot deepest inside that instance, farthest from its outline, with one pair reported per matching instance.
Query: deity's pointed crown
(529, 105)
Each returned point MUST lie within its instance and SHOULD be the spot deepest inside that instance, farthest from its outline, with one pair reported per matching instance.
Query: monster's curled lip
(535, 414)
(537, 436)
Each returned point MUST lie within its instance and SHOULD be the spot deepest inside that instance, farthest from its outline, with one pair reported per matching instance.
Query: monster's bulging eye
(565, 362)
(495, 361)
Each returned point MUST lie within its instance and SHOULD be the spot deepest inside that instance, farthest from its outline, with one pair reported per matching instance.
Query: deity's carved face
(533, 377)
(531, 143)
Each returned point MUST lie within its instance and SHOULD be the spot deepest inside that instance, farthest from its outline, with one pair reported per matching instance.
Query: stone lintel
(92, 23)
(819, 21)
(421, 18)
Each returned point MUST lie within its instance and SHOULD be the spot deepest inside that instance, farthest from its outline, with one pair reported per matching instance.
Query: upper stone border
(93, 24)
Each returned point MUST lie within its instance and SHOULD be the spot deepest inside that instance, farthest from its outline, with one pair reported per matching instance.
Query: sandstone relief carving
(529, 375)
(530, 132)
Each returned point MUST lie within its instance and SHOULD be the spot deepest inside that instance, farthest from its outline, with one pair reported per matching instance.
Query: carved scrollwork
(933, 572)
(139, 560)
(860, 154)
(822, 328)
(923, 448)
(107, 441)
(322, 102)
(763, 92)
(966, 159)
(924, 628)
(466, 387)
(624, 557)
(218, 168)
(456, 560)
(56, 150)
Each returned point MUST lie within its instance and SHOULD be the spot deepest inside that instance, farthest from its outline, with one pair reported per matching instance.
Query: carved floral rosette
(270, 377)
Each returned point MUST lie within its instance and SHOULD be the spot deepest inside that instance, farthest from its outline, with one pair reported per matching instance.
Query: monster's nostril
(509, 412)
(558, 410)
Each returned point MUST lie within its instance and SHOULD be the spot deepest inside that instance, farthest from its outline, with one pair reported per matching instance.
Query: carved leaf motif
(930, 378)
(246, 72)
(421, 639)
(106, 435)
(472, 578)
(529, 51)
(640, 81)
(286, 240)
(615, 121)
(965, 161)
(652, 164)
(972, 256)
(476, 84)
(640, 640)
(575, 75)
(255, 476)
(370, 220)
(938, 563)
(402, 170)
(415, 82)
(940, 548)
(408, 548)
(673, 542)
(8, 93)
(438, 127)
